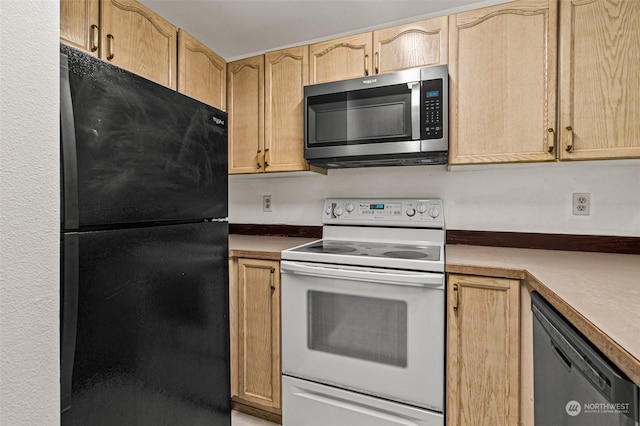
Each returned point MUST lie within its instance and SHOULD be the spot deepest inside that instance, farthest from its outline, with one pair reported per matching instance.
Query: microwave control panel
(432, 103)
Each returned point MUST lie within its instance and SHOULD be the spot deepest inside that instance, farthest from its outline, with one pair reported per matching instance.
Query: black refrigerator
(144, 320)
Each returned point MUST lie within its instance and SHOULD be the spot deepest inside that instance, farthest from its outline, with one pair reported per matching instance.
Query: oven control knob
(411, 212)
(338, 211)
(422, 208)
(434, 212)
(327, 210)
(349, 207)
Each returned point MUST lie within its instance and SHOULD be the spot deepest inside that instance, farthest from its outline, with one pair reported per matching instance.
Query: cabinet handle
(273, 287)
(94, 38)
(551, 140)
(456, 301)
(267, 157)
(366, 64)
(377, 66)
(110, 42)
(570, 139)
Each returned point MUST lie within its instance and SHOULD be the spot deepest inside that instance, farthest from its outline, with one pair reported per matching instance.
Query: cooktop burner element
(330, 247)
(405, 254)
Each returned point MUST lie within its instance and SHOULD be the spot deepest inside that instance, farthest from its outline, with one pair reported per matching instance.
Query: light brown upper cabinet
(245, 105)
(502, 68)
(405, 46)
(136, 39)
(599, 79)
(340, 59)
(286, 74)
(265, 105)
(202, 74)
(417, 44)
(79, 20)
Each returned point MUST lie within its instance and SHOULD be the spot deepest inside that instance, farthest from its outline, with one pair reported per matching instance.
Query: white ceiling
(240, 28)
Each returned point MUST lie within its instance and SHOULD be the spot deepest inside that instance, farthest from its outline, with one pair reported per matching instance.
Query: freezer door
(140, 152)
(152, 326)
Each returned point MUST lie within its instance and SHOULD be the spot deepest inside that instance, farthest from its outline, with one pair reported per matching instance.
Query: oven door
(375, 331)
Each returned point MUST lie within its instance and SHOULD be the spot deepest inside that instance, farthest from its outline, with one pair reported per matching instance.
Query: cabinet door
(138, 40)
(502, 66)
(483, 351)
(599, 79)
(79, 24)
(412, 45)
(245, 105)
(286, 73)
(259, 332)
(202, 74)
(340, 59)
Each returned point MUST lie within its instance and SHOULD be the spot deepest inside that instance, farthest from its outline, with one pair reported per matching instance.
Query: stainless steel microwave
(399, 118)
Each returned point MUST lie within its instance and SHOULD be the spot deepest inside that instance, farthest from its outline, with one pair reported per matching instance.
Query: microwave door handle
(416, 120)
(409, 279)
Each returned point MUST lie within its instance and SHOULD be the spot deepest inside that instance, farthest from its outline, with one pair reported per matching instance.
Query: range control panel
(403, 212)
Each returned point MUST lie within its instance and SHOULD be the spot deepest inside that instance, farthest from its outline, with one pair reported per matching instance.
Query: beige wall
(513, 197)
(29, 221)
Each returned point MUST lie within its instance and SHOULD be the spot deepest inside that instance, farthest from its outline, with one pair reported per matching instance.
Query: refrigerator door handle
(69, 316)
(68, 146)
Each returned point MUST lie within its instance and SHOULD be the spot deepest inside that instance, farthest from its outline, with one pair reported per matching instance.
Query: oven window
(372, 115)
(358, 327)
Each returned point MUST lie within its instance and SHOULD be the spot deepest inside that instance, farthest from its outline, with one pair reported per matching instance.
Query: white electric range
(363, 317)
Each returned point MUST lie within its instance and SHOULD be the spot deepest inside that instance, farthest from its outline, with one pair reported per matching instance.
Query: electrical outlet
(581, 204)
(266, 203)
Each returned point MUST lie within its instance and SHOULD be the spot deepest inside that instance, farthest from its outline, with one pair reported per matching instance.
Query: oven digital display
(376, 207)
(433, 94)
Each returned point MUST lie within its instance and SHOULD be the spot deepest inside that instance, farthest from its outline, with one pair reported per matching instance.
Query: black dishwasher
(575, 384)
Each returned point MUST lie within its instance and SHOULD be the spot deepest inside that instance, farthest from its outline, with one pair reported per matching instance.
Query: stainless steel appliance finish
(398, 118)
(363, 317)
(574, 384)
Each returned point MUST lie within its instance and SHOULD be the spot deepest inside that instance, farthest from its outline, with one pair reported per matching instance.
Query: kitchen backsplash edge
(530, 240)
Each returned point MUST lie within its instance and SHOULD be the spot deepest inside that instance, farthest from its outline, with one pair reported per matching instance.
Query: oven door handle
(402, 278)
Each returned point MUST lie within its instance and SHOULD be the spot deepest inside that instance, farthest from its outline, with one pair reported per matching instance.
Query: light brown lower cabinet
(489, 352)
(255, 337)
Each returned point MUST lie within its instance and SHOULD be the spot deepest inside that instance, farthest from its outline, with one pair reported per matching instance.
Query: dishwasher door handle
(571, 354)
(562, 357)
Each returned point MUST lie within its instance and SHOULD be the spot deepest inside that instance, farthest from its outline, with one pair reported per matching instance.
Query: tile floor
(242, 419)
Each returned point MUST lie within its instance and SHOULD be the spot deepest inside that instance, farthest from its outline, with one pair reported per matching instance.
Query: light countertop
(599, 293)
(260, 247)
